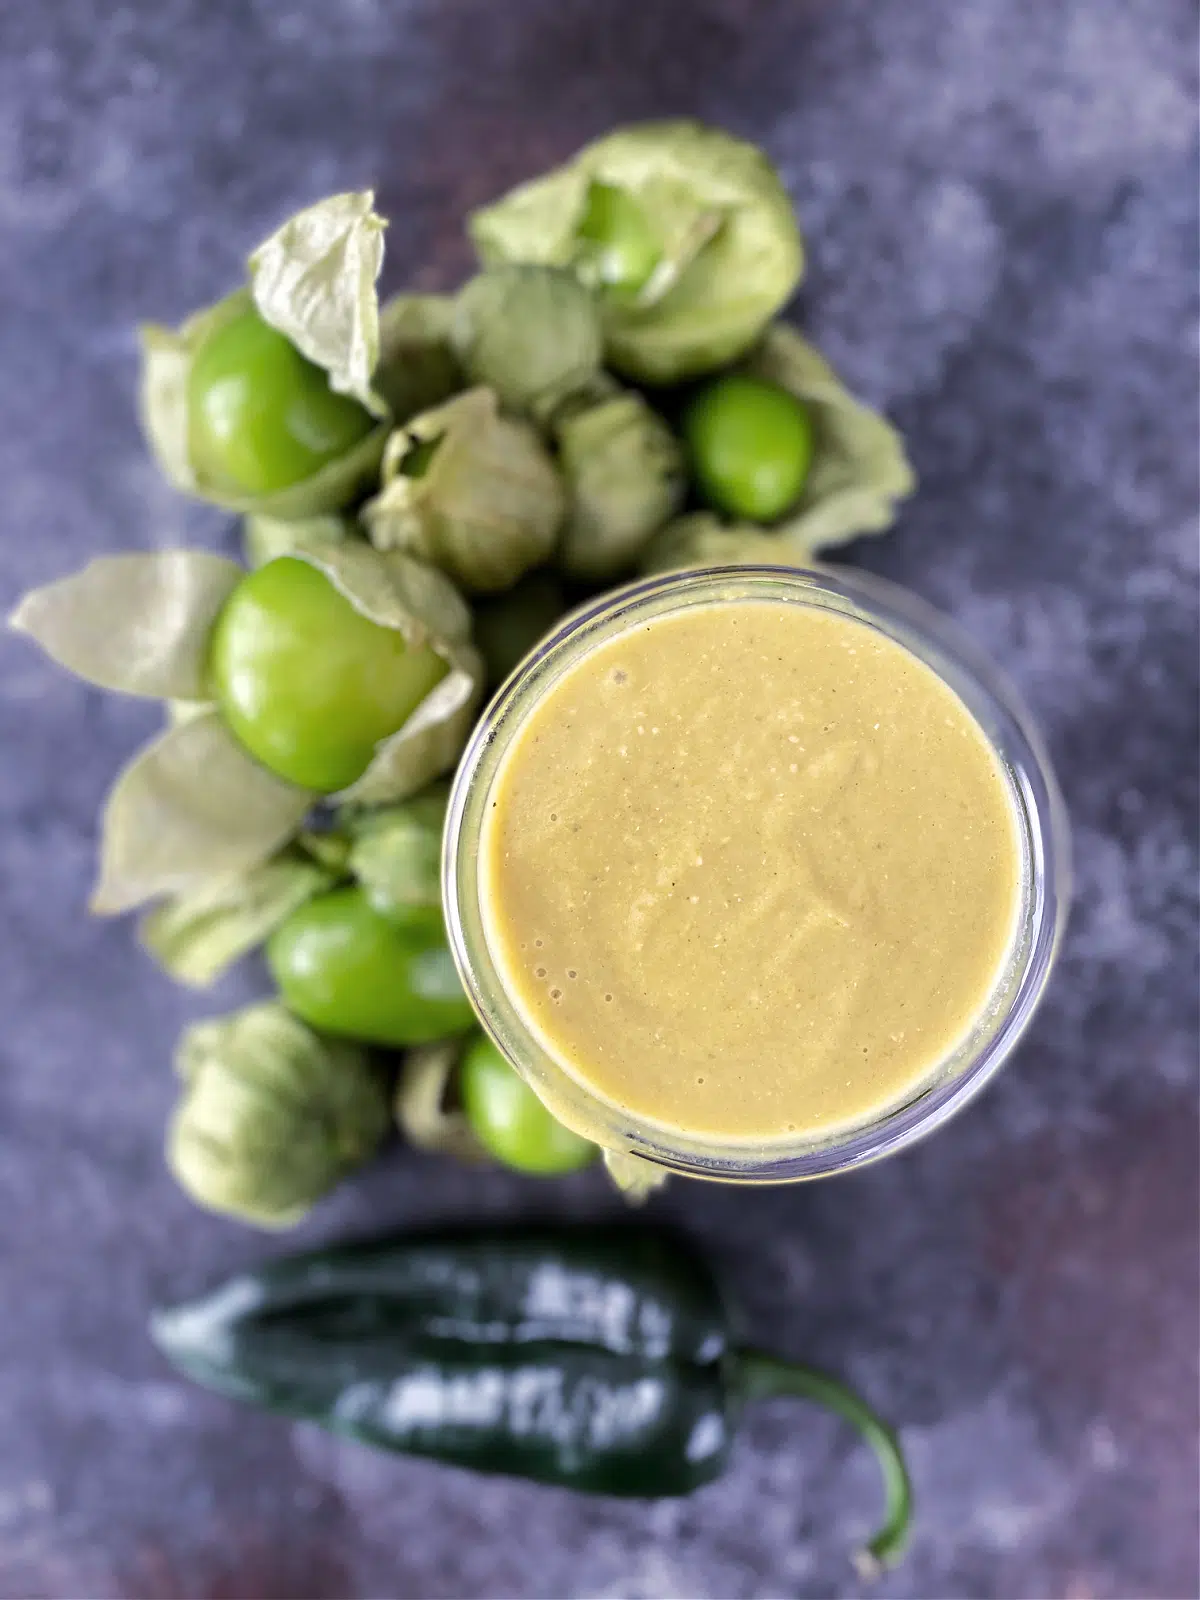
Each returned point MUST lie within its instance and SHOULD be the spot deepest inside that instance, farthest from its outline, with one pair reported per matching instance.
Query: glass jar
(1044, 878)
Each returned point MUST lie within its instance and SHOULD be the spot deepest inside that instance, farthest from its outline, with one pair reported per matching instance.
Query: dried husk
(488, 505)
(729, 252)
(272, 1115)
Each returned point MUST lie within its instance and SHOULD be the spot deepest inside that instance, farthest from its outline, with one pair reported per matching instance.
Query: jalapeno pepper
(595, 1357)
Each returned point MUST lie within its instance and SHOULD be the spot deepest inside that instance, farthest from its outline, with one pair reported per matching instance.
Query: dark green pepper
(595, 1357)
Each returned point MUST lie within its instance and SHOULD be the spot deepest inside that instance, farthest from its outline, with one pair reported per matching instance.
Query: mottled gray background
(1000, 202)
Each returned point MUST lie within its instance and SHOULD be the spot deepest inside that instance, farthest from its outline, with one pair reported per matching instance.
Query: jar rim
(1042, 828)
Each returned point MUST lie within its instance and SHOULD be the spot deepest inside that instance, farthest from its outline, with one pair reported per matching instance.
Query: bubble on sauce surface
(539, 972)
(556, 994)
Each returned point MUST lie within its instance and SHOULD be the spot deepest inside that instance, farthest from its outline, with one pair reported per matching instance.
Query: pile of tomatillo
(426, 484)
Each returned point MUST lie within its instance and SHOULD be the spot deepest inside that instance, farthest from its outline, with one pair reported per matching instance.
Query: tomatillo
(618, 243)
(511, 1122)
(307, 683)
(345, 970)
(750, 445)
(260, 416)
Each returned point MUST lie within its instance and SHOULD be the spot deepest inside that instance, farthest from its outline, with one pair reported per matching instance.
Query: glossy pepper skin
(597, 1358)
(591, 1359)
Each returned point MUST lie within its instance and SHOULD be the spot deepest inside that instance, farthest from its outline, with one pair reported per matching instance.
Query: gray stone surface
(1001, 206)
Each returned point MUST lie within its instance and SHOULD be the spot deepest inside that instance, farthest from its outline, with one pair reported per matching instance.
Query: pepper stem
(764, 1377)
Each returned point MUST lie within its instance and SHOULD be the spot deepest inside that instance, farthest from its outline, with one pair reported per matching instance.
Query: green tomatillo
(686, 235)
(277, 400)
(306, 682)
(617, 247)
(511, 1122)
(750, 444)
(260, 416)
(347, 970)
